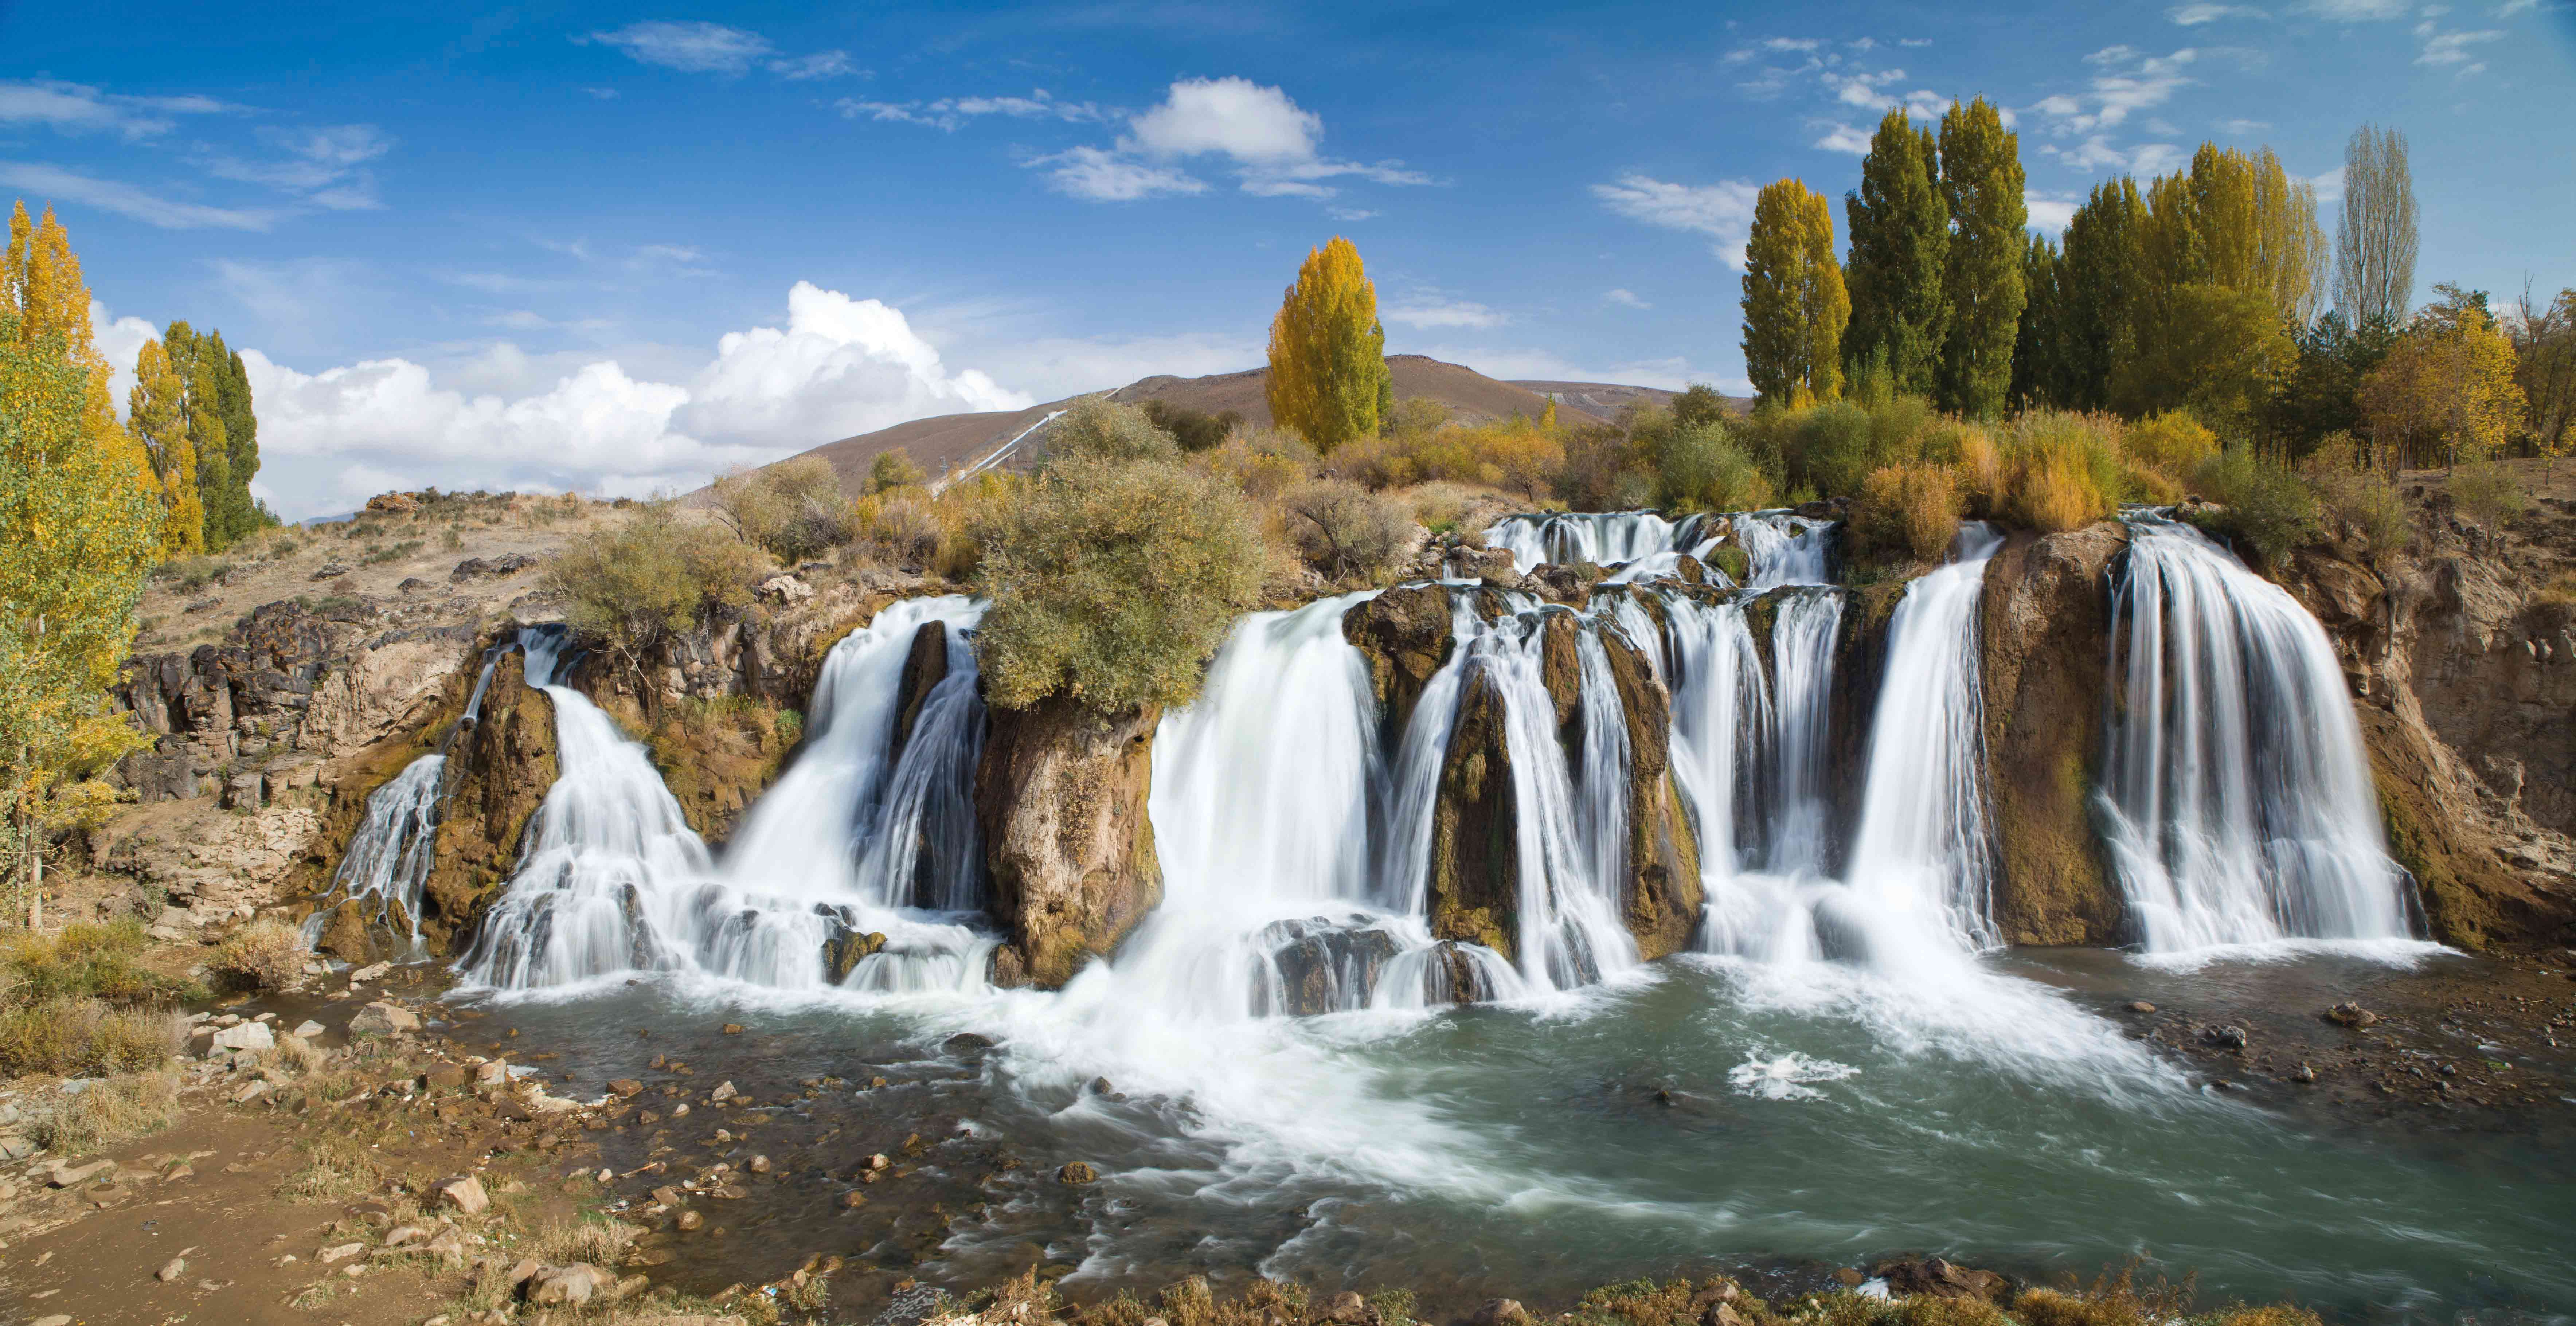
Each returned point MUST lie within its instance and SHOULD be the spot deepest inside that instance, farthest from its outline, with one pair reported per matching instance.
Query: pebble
(171, 1270)
(2141, 1006)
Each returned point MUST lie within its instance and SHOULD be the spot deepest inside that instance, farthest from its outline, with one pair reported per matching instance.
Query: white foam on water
(1786, 1076)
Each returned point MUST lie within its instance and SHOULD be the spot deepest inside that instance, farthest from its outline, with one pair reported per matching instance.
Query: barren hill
(953, 441)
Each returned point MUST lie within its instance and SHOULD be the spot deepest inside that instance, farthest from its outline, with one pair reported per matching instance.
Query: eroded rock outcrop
(1406, 636)
(1474, 883)
(1060, 797)
(2045, 636)
(499, 771)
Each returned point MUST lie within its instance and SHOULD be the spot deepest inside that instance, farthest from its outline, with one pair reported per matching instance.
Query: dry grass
(2061, 471)
(77, 1037)
(335, 1169)
(108, 1112)
(266, 954)
(1909, 511)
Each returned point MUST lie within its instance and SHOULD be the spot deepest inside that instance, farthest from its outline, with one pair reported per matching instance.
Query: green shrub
(1113, 582)
(2261, 504)
(1098, 428)
(1193, 430)
(1701, 467)
(1342, 529)
(893, 468)
(794, 509)
(2488, 493)
(633, 584)
(1831, 448)
(2172, 442)
(2356, 503)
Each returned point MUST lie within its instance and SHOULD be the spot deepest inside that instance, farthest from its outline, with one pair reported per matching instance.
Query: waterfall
(1784, 549)
(2237, 797)
(389, 857)
(1922, 858)
(1269, 803)
(1603, 538)
(1806, 628)
(852, 870)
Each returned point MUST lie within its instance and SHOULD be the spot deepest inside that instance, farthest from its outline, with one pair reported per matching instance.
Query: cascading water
(826, 871)
(389, 857)
(1921, 859)
(2237, 797)
(1784, 549)
(1605, 538)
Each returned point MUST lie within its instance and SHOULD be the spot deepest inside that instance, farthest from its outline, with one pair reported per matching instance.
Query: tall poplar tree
(2041, 363)
(1981, 181)
(1900, 251)
(77, 532)
(1795, 306)
(1328, 375)
(156, 409)
(2375, 240)
(2101, 286)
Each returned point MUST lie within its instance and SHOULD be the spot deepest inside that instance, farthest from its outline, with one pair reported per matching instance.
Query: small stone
(626, 1088)
(853, 1200)
(2305, 1076)
(171, 1270)
(339, 1254)
(690, 1220)
(1500, 1312)
(370, 973)
(308, 1029)
(723, 1091)
(58, 1319)
(1347, 1308)
(760, 1164)
(402, 1234)
(465, 1193)
(1076, 1171)
(577, 1283)
(733, 1028)
(2141, 1006)
(250, 1093)
(2225, 1037)
(2351, 1015)
(875, 1163)
(492, 1072)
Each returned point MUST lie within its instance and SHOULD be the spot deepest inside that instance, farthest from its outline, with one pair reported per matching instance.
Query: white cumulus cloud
(840, 366)
(1425, 313)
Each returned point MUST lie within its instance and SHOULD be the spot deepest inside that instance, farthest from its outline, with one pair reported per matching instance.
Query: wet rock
(1060, 797)
(845, 947)
(1324, 967)
(1475, 854)
(733, 1028)
(2224, 1036)
(2351, 1015)
(689, 1221)
(1347, 1309)
(1940, 1279)
(853, 1200)
(925, 665)
(2305, 1076)
(1077, 1172)
(308, 1029)
(1659, 891)
(1405, 637)
(625, 1088)
(2141, 1006)
(964, 1042)
(502, 768)
(2044, 630)
(723, 1091)
(1500, 1312)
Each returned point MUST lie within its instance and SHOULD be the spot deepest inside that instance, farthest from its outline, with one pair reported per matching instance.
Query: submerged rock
(1324, 967)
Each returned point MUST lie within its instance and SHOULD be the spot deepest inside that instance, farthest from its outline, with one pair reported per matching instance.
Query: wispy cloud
(713, 48)
(2359, 11)
(1097, 176)
(1723, 211)
(76, 108)
(2194, 15)
(1624, 298)
(1273, 144)
(323, 166)
(948, 113)
(1841, 137)
(1424, 313)
(126, 200)
(2450, 50)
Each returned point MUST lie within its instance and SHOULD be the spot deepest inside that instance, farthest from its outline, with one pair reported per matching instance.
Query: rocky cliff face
(498, 773)
(2460, 657)
(1405, 635)
(2045, 634)
(1060, 799)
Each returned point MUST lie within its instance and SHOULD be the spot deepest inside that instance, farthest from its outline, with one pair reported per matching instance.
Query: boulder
(843, 949)
(2044, 644)
(2351, 1015)
(1324, 967)
(476, 568)
(569, 1285)
(383, 1019)
(245, 1036)
(1077, 1172)
(925, 665)
(501, 769)
(1659, 890)
(1940, 1279)
(1500, 1312)
(786, 589)
(1060, 798)
(464, 1192)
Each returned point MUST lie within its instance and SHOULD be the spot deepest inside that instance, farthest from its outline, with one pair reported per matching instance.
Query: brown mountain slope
(949, 442)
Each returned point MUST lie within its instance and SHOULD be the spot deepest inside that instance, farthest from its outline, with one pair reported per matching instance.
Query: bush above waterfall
(1113, 582)
(1343, 530)
(1099, 428)
(2261, 504)
(1907, 511)
(655, 575)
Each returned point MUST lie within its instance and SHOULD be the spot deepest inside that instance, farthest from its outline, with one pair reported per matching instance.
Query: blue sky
(618, 248)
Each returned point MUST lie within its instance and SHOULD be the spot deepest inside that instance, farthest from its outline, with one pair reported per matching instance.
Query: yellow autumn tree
(157, 413)
(78, 529)
(1328, 376)
(1795, 305)
(2446, 392)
